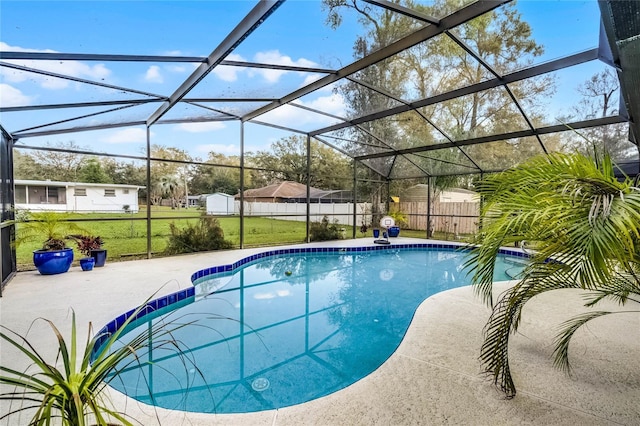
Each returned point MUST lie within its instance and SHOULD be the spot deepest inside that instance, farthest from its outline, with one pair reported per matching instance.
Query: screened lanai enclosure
(132, 118)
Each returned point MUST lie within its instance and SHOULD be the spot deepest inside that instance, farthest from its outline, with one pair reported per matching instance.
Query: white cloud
(11, 96)
(219, 148)
(264, 296)
(271, 295)
(132, 135)
(70, 68)
(201, 127)
(332, 104)
(293, 117)
(153, 74)
(312, 78)
(276, 58)
(228, 73)
(273, 57)
(178, 69)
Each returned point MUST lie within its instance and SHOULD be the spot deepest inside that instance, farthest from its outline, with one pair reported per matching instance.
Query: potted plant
(91, 247)
(54, 257)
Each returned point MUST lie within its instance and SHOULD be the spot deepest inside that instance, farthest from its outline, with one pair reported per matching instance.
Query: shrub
(400, 218)
(204, 235)
(324, 231)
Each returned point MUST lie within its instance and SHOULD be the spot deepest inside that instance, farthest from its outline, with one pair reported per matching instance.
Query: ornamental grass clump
(69, 389)
(584, 226)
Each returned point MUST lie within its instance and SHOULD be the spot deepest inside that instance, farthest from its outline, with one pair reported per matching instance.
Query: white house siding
(96, 201)
(76, 197)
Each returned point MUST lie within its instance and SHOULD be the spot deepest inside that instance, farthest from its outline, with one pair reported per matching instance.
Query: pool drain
(260, 384)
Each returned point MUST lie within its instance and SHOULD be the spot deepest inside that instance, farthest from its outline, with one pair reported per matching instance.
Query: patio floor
(433, 378)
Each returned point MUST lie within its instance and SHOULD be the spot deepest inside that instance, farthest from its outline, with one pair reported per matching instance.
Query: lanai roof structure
(400, 129)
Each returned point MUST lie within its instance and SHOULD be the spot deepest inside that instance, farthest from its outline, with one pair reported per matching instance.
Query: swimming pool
(287, 328)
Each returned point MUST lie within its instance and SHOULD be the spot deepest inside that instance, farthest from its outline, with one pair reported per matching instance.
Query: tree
(599, 95)
(169, 186)
(287, 161)
(176, 172)
(440, 65)
(127, 173)
(92, 172)
(26, 167)
(584, 226)
(220, 174)
(60, 166)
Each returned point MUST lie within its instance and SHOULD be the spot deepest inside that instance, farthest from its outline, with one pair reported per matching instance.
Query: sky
(194, 28)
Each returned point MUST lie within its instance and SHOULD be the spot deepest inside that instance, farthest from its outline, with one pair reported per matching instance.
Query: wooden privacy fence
(461, 218)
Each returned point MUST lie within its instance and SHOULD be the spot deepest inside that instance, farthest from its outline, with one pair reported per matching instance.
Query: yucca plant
(69, 391)
(584, 226)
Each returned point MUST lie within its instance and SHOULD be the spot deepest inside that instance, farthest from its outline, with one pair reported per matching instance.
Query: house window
(109, 192)
(125, 191)
(21, 194)
(80, 192)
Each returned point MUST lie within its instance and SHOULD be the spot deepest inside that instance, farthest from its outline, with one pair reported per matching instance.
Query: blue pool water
(288, 329)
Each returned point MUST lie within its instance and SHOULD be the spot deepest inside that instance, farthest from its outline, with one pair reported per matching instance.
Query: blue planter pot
(394, 231)
(86, 263)
(53, 262)
(100, 256)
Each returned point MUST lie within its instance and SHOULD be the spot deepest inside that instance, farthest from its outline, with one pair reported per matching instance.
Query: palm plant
(52, 227)
(171, 187)
(73, 392)
(584, 226)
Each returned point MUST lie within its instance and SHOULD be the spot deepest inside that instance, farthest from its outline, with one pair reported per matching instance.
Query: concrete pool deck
(433, 378)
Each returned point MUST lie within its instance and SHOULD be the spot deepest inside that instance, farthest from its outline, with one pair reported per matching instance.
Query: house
(196, 200)
(294, 192)
(76, 196)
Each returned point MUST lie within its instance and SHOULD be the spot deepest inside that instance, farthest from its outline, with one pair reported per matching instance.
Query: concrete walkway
(432, 379)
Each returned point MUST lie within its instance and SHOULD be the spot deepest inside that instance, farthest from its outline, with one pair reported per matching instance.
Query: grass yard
(125, 235)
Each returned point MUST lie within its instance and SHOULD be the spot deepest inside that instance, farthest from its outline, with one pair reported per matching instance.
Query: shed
(220, 203)
(418, 193)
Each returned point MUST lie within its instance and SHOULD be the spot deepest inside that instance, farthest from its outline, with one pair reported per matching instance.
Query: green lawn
(125, 234)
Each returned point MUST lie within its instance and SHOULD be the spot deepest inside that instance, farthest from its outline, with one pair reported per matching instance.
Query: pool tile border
(223, 270)
(134, 314)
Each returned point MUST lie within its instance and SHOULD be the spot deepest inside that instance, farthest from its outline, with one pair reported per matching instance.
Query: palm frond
(561, 351)
(505, 320)
(584, 225)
